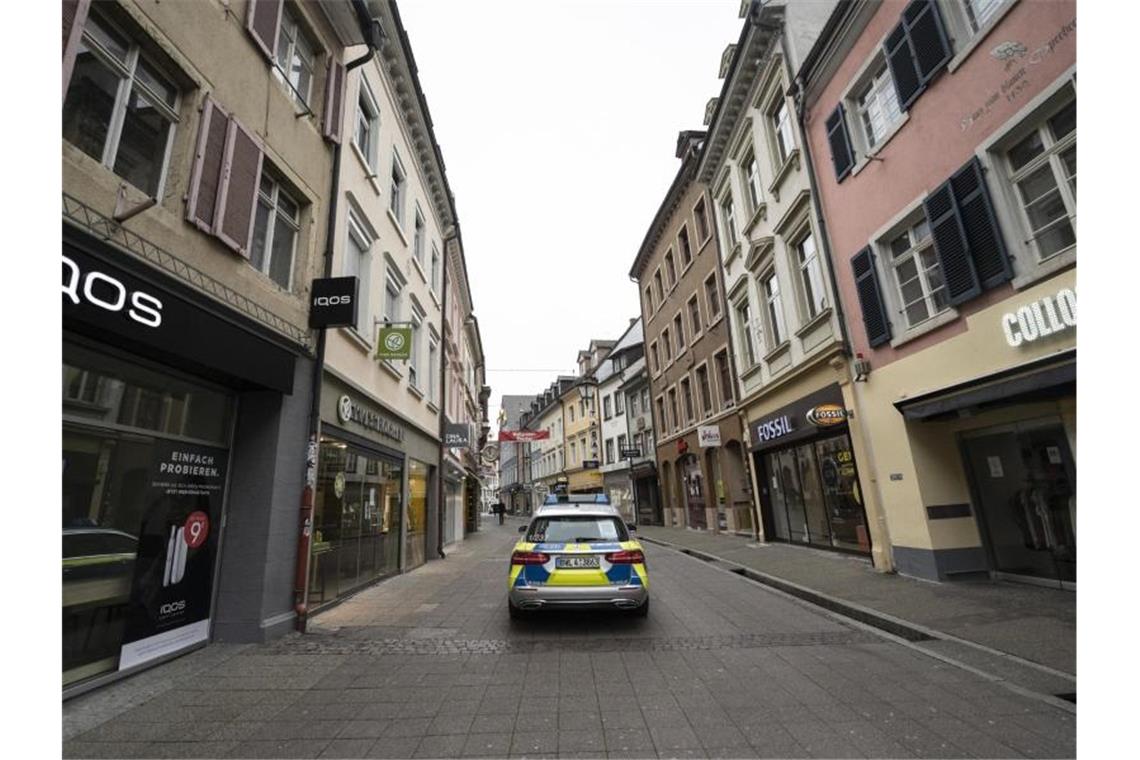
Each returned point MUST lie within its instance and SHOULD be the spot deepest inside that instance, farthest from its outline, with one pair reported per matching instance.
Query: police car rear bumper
(578, 597)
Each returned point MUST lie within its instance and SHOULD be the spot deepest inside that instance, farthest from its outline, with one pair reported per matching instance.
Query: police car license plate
(577, 563)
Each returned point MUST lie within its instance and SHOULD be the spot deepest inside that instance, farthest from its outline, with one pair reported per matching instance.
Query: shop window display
(417, 513)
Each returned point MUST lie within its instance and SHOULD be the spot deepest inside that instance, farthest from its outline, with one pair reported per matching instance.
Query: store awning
(1042, 379)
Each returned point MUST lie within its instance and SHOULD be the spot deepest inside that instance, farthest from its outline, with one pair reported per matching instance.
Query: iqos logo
(104, 291)
(332, 300)
(171, 607)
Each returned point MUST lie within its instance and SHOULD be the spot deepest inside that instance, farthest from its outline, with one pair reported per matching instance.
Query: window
(694, 316)
(119, 109)
(1043, 170)
(417, 336)
(571, 412)
(366, 134)
(660, 293)
(918, 274)
(665, 345)
(679, 329)
(358, 263)
(782, 129)
(633, 406)
(645, 400)
(648, 300)
(607, 410)
(705, 389)
(619, 405)
(670, 270)
(811, 276)
(392, 288)
(728, 220)
(724, 377)
(661, 418)
(684, 247)
(573, 452)
(878, 107)
(981, 11)
(433, 369)
(775, 309)
(702, 218)
(418, 238)
(673, 408)
(745, 327)
(399, 181)
(656, 360)
(712, 297)
(275, 232)
(751, 178)
(434, 268)
(621, 442)
(609, 451)
(687, 399)
(582, 408)
(295, 57)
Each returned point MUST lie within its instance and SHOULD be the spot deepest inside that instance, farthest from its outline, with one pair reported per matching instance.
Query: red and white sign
(523, 436)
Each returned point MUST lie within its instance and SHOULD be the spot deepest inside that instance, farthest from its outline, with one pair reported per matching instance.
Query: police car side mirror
(522, 529)
(631, 527)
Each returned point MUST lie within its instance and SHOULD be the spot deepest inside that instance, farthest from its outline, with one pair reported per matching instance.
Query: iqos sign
(1040, 319)
(110, 294)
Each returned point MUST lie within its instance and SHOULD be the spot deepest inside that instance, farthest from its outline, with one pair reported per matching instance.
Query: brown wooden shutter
(263, 21)
(74, 19)
(206, 175)
(875, 320)
(241, 172)
(334, 100)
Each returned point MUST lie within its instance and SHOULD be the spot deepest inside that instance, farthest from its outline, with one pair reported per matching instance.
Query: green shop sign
(394, 343)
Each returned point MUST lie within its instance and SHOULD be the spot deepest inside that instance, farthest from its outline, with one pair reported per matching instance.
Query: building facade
(512, 480)
(615, 433)
(639, 432)
(789, 348)
(699, 439)
(198, 148)
(957, 269)
(545, 459)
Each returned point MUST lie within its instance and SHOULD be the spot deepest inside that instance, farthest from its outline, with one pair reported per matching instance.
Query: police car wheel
(643, 610)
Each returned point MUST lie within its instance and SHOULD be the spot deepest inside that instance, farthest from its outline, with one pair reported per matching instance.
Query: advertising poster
(169, 606)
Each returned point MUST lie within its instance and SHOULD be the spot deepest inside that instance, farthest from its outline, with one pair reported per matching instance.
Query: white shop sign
(1050, 315)
(708, 435)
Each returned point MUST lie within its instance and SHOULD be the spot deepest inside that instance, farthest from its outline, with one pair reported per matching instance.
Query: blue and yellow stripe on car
(608, 574)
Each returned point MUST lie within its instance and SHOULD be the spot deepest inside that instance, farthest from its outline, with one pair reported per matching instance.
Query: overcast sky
(558, 123)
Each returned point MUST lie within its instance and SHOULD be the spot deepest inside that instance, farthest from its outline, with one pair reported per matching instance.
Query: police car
(577, 553)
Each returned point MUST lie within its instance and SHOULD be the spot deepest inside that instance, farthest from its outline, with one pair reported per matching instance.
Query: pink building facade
(943, 142)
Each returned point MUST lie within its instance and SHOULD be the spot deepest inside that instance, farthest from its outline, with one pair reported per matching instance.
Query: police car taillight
(631, 557)
(529, 558)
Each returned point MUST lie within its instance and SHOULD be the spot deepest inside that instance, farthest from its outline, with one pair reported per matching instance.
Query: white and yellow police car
(577, 553)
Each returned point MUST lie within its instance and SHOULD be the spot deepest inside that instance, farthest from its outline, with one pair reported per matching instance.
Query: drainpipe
(304, 540)
(450, 234)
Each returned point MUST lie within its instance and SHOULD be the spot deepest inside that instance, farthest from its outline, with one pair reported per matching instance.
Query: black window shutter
(840, 141)
(875, 320)
(897, 50)
(928, 39)
(950, 244)
(983, 235)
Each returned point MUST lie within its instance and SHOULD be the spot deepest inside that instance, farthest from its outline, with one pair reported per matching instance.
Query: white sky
(558, 123)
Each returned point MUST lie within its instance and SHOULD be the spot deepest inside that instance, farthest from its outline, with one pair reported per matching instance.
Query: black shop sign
(333, 302)
(813, 414)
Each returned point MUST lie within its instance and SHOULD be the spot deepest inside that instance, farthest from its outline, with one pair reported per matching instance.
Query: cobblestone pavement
(428, 665)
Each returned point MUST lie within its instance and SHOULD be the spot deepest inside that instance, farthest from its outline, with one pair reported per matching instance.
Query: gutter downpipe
(304, 540)
(449, 236)
(825, 238)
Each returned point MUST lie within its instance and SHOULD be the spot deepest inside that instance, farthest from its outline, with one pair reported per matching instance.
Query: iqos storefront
(374, 486)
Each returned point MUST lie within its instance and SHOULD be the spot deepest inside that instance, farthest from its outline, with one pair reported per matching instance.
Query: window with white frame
(745, 331)
(655, 359)
(712, 298)
(728, 221)
(684, 247)
(672, 394)
(648, 300)
(275, 228)
(296, 57)
(633, 406)
(979, 12)
(878, 106)
(619, 405)
(704, 388)
(392, 306)
(917, 274)
(666, 346)
(687, 399)
(774, 310)
(661, 418)
(418, 238)
(417, 338)
(1042, 169)
(434, 268)
(645, 401)
(702, 218)
(366, 132)
(607, 408)
(724, 379)
(621, 442)
(679, 331)
(119, 109)
(399, 183)
(358, 263)
(670, 269)
(751, 171)
(609, 451)
(694, 317)
(657, 282)
(433, 367)
(782, 129)
(811, 275)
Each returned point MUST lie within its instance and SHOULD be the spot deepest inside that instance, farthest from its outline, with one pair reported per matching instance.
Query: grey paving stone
(820, 740)
(536, 722)
(106, 749)
(394, 747)
(579, 721)
(294, 748)
(627, 739)
(720, 736)
(407, 727)
(364, 729)
(450, 745)
(625, 718)
(450, 724)
(534, 742)
(348, 748)
(487, 745)
(581, 741)
(207, 749)
(675, 737)
(490, 724)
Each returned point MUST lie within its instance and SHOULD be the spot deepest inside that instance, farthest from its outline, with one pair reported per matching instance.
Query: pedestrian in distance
(500, 509)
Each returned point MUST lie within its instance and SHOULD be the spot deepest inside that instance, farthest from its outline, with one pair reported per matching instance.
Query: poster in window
(169, 607)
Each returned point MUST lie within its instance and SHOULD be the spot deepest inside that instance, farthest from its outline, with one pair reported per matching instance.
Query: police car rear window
(577, 529)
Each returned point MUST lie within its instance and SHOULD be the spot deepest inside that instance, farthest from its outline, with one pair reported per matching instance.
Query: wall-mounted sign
(631, 453)
(523, 436)
(1048, 316)
(590, 464)
(456, 435)
(348, 410)
(333, 302)
(773, 428)
(394, 343)
(826, 415)
(708, 435)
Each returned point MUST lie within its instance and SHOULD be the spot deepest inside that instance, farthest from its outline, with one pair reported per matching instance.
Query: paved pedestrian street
(428, 665)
